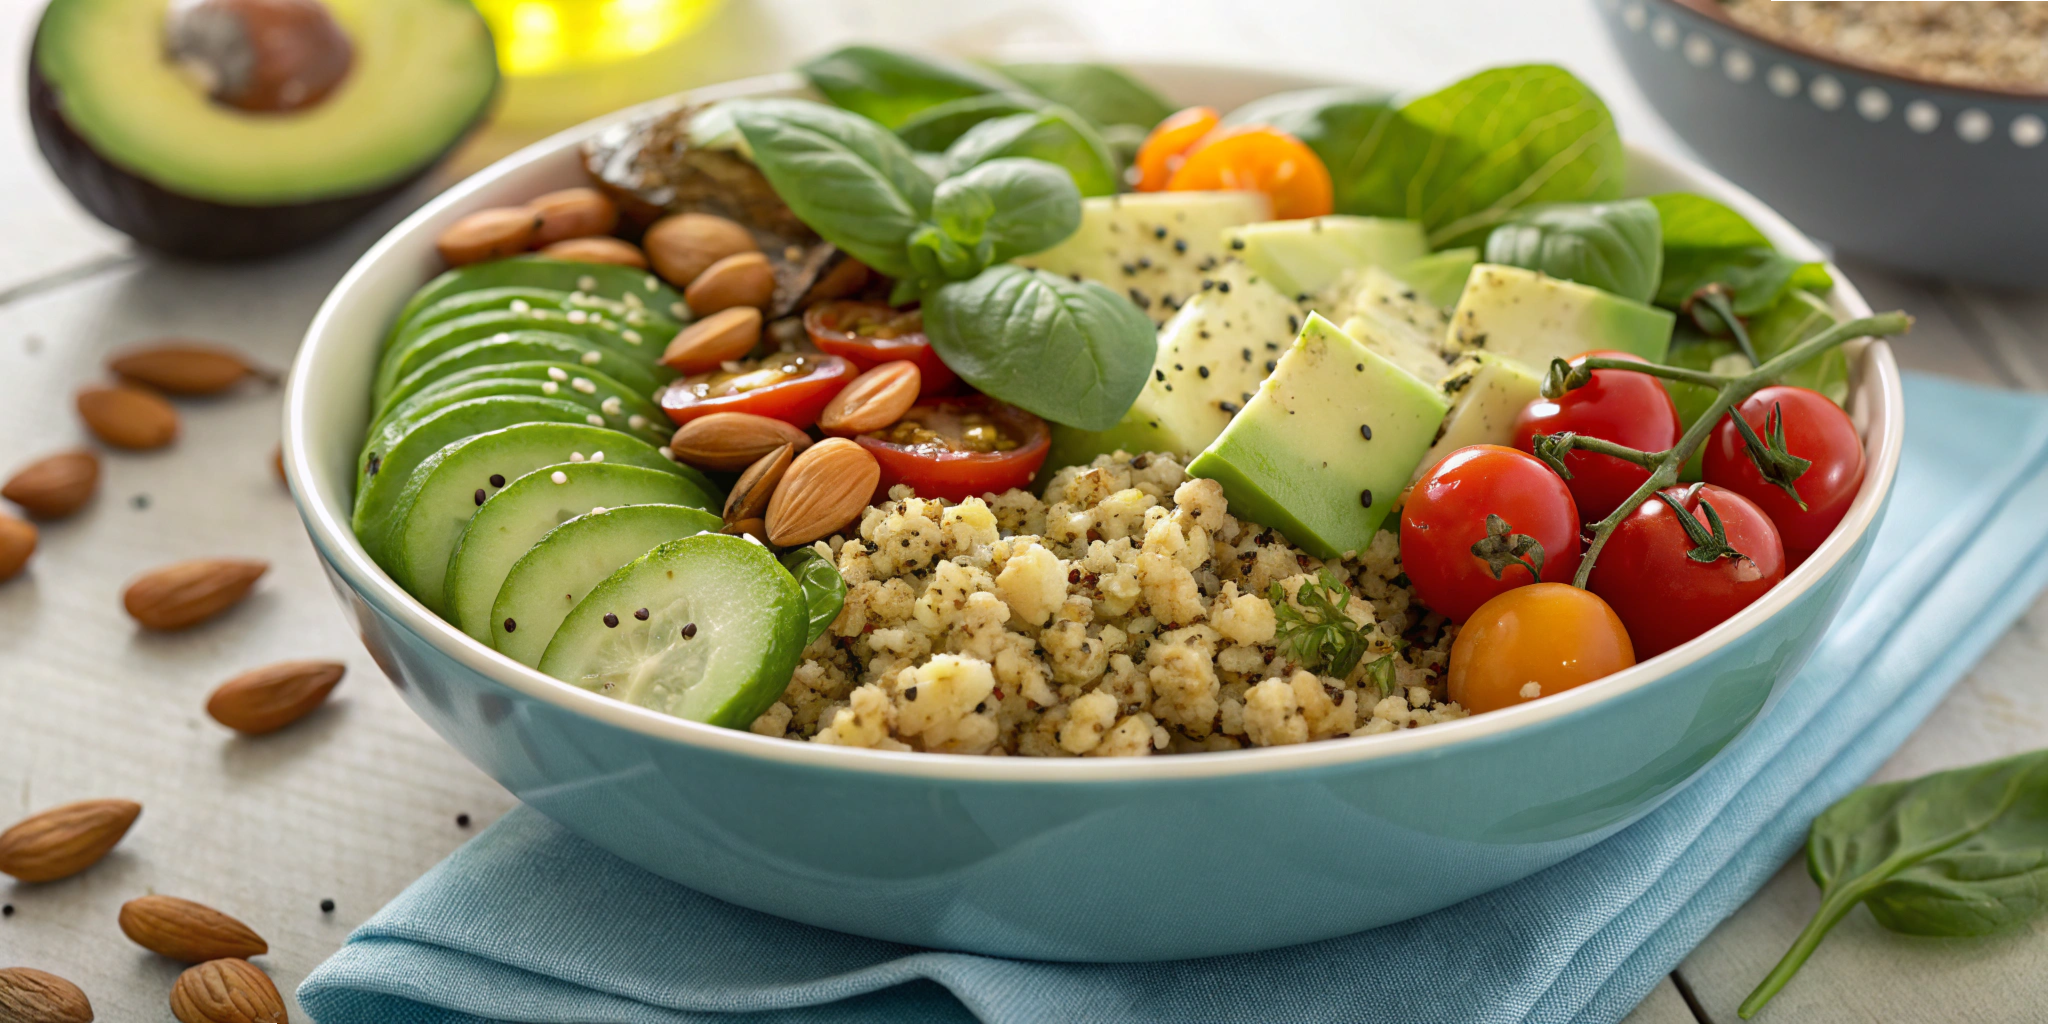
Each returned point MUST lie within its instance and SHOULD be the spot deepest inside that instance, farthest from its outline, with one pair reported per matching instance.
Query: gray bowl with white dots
(1933, 179)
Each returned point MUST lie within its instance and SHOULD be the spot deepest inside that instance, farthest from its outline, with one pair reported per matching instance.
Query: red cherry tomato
(869, 334)
(792, 388)
(1626, 408)
(1168, 143)
(1816, 430)
(1532, 642)
(1256, 158)
(957, 448)
(1662, 594)
(1445, 518)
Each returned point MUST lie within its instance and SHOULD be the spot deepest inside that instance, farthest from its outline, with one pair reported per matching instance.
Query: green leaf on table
(855, 184)
(823, 588)
(1071, 351)
(1055, 135)
(1344, 125)
(1103, 94)
(1616, 247)
(934, 128)
(888, 86)
(1017, 206)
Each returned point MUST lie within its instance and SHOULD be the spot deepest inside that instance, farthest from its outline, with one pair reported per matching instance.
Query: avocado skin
(182, 225)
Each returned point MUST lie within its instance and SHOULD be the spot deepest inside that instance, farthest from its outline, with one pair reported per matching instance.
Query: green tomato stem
(1647, 460)
(1677, 373)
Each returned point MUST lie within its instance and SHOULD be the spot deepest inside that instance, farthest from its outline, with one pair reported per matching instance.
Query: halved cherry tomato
(1663, 594)
(872, 333)
(1168, 143)
(1256, 158)
(1626, 408)
(1533, 642)
(1457, 559)
(957, 448)
(1816, 430)
(792, 388)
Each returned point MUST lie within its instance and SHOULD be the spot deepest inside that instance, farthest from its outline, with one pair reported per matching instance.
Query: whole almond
(64, 841)
(573, 213)
(874, 400)
(54, 486)
(744, 279)
(187, 593)
(187, 931)
(755, 527)
(128, 417)
(749, 497)
(488, 235)
(845, 277)
(27, 994)
(183, 367)
(264, 700)
(226, 990)
(716, 339)
(732, 441)
(825, 489)
(598, 250)
(17, 543)
(682, 246)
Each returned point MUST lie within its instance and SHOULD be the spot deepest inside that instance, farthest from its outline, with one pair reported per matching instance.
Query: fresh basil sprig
(1616, 247)
(936, 127)
(1071, 351)
(1053, 134)
(855, 184)
(1955, 853)
(889, 86)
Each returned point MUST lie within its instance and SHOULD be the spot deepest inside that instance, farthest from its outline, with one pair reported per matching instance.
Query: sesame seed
(575, 456)
(1270, 364)
(666, 452)
(327, 906)
(521, 307)
(510, 625)
(597, 510)
(611, 620)
(681, 311)
(1247, 355)
(556, 373)
(612, 406)
(641, 614)
(1237, 243)
(594, 420)
(1365, 497)
(502, 336)
(1180, 245)
(590, 358)
(1223, 286)
(1203, 371)
(577, 316)
(1159, 232)
(479, 495)
(631, 336)
(636, 421)
(584, 385)
(597, 456)
(559, 477)
(1365, 431)
(651, 284)
(548, 387)
(689, 630)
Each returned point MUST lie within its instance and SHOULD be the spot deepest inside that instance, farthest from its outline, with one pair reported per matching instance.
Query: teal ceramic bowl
(1073, 859)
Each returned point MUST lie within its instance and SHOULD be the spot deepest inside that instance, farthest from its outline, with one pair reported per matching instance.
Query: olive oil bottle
(551, 37)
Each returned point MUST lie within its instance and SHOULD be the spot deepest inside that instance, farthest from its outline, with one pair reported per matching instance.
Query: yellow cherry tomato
(1163, 150)
(1255, 158)
(1535, 641)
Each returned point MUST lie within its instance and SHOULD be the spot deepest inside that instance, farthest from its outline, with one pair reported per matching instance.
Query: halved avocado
(227, 129)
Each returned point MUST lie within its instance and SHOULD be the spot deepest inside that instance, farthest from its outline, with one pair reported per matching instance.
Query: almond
(187, 931)
(27, 994)
(732, 441)
(267, 699)
(745, 279)
(756, 528)
(226, 990)
(488, 235)
(874, 400)
(17, 543)
(128, 417)
(55, 485)
(749, 497)
(64, 841)
(598, 250)
(845, 277)
(825, 489)
(183, 367)
(187, 593)
(572, 213)
(716, 339)
(682, 246)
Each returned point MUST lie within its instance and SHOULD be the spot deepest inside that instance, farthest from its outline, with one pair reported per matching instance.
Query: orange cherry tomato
(1256, 158)
(1535, 641)
(1168, 142)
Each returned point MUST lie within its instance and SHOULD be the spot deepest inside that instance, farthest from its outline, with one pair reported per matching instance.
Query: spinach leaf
(823, 588)
(1956, 853)
(1055, 135)
(1706, 243)
(1616, 247)
(1014, 206)
(855, 184)
(888, 86)
(1695, 222)
(1071, 351)
(1102, 94)
(936, 127)
(1343, 124)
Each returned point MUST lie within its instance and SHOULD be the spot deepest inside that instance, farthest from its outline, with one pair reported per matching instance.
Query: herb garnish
(1319, 632)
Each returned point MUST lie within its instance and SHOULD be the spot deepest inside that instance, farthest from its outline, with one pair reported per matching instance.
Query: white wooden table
(356, 802)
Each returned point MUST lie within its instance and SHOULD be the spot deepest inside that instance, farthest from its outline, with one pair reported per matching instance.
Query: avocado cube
(1534, 318)
(1486, 393)
(1325, 446)
(1307, 256)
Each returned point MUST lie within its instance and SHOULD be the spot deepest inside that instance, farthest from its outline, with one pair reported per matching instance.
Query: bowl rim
(1712, 11)
(326, 515)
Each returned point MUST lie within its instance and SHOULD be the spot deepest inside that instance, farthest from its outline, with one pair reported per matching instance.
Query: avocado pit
(260, 56)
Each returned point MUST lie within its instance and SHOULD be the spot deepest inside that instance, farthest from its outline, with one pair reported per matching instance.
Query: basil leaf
(1344, 125)
(1616, 247)
(936, 127)
(1055, 135)
(1707, 243)
(888, 86)
(1955, 853)
(823, 588)
(938, 256)
(1696, 222)
(856, 185)
(1071, 351)
(1016, 206)
(1102, 94)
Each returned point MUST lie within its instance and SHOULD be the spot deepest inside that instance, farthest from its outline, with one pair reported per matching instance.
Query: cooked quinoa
(1991, 45)
(1124, 613)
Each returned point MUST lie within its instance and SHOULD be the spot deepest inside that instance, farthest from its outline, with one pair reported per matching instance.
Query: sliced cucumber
(609, 281)
(607, 405)
(446, 490)
(526, 346)
(483, 300)
(643, 345)
(571, 561)
(517, 517)
(724, 629)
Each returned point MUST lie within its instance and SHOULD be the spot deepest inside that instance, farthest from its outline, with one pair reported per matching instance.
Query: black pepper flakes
(1271, 364)
(910, 694)
(689, 630)
(497, 479)
(1365, 431)
(611, 620)
(1228, 407)
(1365, 498)
(462, 821)
(1160, 375)
(510, 625)
(1141, 299)
(640, 614)
(479, 495)
(327, 906)
(1159, 233)
(1237, 243)
(1247, 353)
(1180, 245)
(1293, 324)
(1223, 286)
(1202, 371)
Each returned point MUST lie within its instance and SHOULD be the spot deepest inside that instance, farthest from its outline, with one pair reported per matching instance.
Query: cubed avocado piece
(1440, 276)
(1308, 255)
(1533, 317)
(1327, 443)
(1486, 393)
(1393, 320)
(1154, 247)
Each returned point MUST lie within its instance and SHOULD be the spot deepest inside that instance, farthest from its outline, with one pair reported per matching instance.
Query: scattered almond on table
(187, 931)
(182, 366)
(188, 593)
(27, 994)
(54, 486)
(226, 990)
(17, 543)
(65, 840)
(126, 416)
(264, 700)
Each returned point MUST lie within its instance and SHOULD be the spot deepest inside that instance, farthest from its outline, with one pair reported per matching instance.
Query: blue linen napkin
(529, 923)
